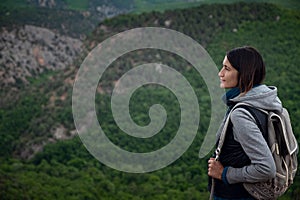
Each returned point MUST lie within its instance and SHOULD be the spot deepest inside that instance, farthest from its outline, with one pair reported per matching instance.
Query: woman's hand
(215, 168)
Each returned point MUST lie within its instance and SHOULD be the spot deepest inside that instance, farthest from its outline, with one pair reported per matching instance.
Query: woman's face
(228, 75)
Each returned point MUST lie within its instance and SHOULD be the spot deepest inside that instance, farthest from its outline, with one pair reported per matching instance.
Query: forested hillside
(78, 18)
(42, 157)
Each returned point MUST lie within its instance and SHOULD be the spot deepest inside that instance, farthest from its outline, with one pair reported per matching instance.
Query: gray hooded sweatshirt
(247, 133)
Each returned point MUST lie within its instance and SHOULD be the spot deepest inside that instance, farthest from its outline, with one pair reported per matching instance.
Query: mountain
(67, 23)
(71, 18)
(47, 35)
(42, 157)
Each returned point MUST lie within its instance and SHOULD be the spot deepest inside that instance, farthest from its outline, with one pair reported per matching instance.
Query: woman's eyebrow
(224, 65)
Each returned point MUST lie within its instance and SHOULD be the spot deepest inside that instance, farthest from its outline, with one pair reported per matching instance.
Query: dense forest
(37, 164)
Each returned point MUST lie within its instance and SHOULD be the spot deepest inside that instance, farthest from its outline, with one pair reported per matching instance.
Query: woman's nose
(220, 74)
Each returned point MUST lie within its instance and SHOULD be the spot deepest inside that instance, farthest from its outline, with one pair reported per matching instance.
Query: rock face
(29, 50)
(47, 3)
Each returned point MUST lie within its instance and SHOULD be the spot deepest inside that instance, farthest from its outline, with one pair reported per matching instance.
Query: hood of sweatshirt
(262, 96)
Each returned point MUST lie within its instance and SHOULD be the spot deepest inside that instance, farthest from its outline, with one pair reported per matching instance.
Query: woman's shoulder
(241, 115)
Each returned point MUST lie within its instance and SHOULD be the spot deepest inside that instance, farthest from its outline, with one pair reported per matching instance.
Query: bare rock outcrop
(29, 51)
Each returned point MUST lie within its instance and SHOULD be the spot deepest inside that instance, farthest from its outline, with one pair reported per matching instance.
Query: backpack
(284, 148)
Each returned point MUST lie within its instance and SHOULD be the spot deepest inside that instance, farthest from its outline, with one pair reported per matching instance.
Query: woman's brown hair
(250, 65)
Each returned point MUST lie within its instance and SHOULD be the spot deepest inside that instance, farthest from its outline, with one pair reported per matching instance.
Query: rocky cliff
(28, 51)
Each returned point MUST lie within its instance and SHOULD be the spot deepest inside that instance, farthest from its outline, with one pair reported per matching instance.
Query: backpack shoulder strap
(260, 116)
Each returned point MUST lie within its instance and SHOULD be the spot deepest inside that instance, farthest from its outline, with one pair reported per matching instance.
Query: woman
(245, 156)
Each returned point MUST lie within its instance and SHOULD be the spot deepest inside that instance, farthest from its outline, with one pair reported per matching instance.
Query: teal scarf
(230, 94)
